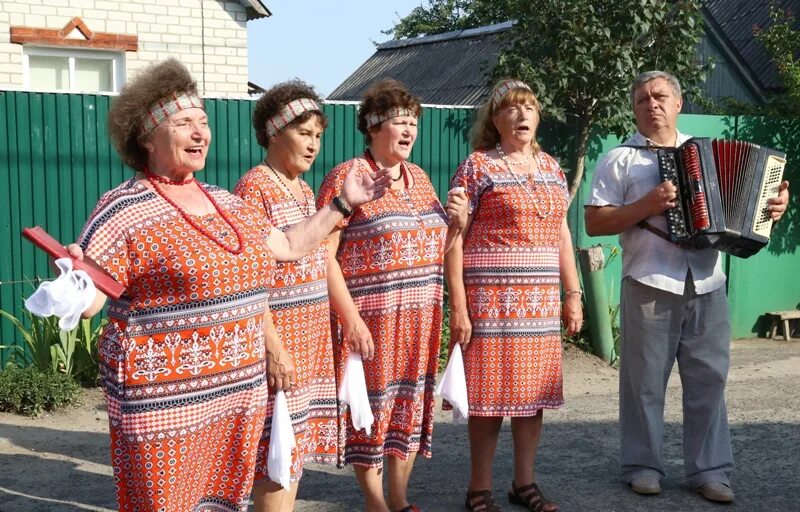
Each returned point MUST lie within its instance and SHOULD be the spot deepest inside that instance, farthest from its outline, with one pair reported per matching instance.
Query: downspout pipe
(592, 263)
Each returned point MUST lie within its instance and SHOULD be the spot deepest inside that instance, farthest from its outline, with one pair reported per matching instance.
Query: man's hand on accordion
(662, 198)
(777, 205)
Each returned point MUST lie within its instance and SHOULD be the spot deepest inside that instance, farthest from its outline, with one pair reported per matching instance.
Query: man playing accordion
(673, 304)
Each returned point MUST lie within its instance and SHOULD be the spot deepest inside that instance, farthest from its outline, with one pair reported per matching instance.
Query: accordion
(723, 187)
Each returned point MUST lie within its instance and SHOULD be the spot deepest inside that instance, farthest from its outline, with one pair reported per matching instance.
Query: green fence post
(592, 262)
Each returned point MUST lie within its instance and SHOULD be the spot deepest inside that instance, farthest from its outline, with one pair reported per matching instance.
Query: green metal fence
(56, 160)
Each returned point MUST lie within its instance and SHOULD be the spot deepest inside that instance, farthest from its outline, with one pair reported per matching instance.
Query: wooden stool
(784, 317)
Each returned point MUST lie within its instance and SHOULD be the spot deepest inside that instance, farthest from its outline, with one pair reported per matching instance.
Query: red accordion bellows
(698, 208)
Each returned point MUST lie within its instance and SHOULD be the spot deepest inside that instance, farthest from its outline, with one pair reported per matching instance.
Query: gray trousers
(657, 329)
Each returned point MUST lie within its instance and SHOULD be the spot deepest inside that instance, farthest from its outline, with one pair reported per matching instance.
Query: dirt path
(59, 462)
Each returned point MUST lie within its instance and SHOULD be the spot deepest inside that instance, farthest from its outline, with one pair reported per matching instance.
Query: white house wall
(209, 37)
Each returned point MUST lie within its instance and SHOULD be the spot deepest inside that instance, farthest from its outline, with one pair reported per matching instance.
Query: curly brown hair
(127, 112)
(382, 96)
(278, 97)
(484, 134)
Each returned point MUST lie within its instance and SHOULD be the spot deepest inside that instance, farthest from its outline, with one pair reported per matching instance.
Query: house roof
(255, 9)
(253, 89)
(453, 68)
(732, 22)
(443, 69)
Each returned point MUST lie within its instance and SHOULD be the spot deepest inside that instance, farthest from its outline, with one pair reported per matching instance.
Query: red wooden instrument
(102, 279)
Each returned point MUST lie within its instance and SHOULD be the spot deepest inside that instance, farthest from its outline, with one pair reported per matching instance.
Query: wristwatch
(341, 204)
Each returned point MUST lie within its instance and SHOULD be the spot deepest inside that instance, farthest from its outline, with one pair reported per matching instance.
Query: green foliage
(40, 335)
(48, 349)
(85, 367)
(782, 41)
(580, 56)
(444, 348)
(585, 54)
(29, 391)
(449, 15)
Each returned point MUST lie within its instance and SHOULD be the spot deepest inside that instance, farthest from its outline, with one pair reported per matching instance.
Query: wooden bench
(784, 317)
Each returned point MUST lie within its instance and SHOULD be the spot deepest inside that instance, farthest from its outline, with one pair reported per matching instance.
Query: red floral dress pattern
(512, 280)
(391, 255)
(182, 357)
(301, 314)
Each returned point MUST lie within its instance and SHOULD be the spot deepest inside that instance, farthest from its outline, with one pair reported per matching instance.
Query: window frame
(117, 66)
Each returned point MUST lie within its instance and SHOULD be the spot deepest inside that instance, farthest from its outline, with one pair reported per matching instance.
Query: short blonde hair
(484, 132)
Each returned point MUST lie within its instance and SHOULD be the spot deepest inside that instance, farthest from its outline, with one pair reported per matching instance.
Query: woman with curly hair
(504, 279)
(390, 254)
(289, 122)
(190, 348)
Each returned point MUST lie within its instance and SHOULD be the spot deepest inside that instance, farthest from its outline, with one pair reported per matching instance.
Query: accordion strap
(649, 146)
(662, 234)
(656, 231)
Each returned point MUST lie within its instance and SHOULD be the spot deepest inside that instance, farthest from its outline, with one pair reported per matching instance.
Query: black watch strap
(341, 206)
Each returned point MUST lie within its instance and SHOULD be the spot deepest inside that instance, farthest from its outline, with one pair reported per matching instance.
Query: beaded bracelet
(567, 293)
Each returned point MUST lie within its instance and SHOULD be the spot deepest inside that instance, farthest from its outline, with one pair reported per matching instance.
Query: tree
(782, 41)
(581, 55)
(448, 15)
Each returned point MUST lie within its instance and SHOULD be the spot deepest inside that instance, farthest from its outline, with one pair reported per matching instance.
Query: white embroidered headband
(168, 106)
(289, 113)
(375, 119)
(502, 89)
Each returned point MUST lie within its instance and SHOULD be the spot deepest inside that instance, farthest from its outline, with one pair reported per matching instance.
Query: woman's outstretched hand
(362, 186)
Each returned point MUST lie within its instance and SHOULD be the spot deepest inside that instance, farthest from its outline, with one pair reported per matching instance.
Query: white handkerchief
(453, 386)
(67, 297)
(353, 392)
(281, 443)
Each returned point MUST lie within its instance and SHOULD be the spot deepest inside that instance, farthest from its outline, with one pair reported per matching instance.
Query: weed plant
(30, 391)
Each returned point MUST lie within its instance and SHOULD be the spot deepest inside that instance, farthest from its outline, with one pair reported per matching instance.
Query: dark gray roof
(255, 9)
(443, 69)
(253, 89)
(453, 68)
(734, 21)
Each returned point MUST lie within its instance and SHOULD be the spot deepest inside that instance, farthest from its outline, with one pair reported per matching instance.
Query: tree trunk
(584, 125)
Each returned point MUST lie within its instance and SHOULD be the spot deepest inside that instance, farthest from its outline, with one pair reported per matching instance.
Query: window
(68, 70)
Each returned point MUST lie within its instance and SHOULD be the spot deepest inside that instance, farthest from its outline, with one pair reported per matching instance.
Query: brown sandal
(529, 496)
(484, 503)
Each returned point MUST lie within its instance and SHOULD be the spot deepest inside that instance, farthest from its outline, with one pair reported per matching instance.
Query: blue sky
(319, 41)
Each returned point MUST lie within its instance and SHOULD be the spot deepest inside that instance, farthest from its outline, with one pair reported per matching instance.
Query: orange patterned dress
(512, 280)
(182, 358)
(301, 314)
(391, 254)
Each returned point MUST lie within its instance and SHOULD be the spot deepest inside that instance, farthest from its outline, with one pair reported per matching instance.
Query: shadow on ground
(578, 467)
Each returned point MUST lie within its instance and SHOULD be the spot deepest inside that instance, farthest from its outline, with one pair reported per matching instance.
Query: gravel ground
(60, 462)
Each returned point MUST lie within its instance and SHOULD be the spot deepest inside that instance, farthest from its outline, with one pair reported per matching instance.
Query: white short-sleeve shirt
(626, 175)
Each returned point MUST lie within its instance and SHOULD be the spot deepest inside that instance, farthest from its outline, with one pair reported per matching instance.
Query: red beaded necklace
(167, 181)
(155, 180)
(404, 173)
(285, 186)
(374, 166)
